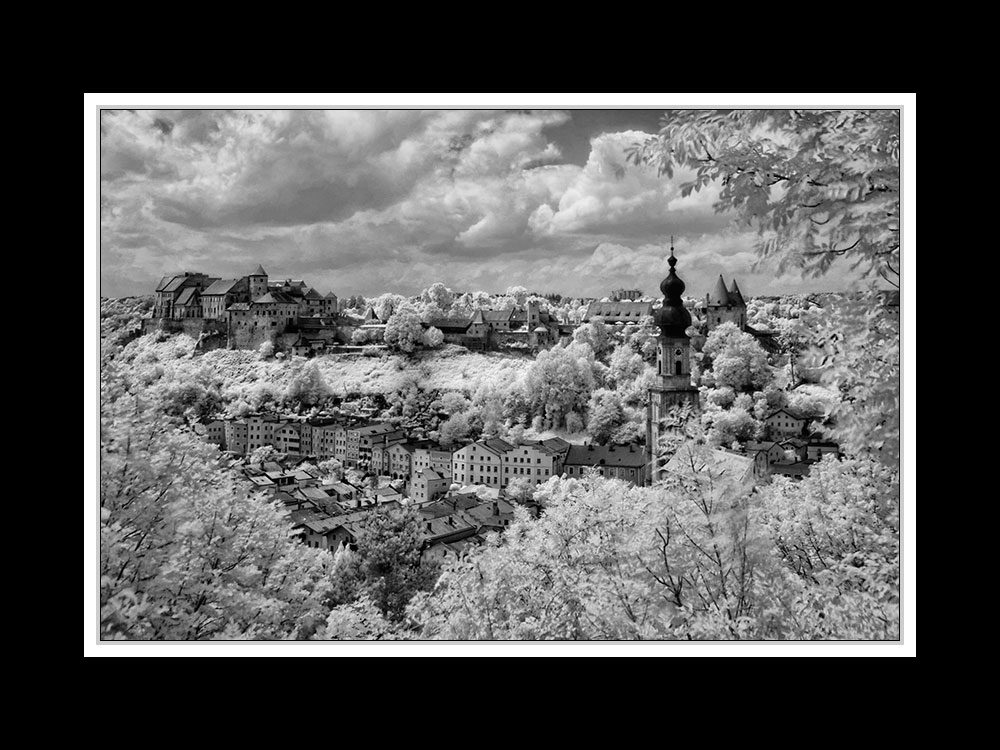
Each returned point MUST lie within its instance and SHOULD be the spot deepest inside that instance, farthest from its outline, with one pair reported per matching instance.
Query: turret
(258, 283)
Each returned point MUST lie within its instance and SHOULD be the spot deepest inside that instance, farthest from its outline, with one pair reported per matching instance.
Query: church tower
(673, 363)
(258, 283)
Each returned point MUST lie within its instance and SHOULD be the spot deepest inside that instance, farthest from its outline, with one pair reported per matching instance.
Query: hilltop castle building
(249, 310)
(673, 364)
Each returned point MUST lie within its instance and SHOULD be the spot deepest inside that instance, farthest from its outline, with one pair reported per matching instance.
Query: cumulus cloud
(367, 201)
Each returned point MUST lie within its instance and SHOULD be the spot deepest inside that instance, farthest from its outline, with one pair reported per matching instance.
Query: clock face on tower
(677, 352)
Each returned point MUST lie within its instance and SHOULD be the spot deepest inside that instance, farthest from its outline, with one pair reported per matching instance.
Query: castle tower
(534, 317)
(258, 283)
(724, 305)
(673, 363)
(739, 305)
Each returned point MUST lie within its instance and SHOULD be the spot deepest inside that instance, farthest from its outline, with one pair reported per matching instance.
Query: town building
(427, 485)
(625, 462)
(531, 460)
(618, 312)
(522, 327)
(673, 387)
(362, 439)
(786, 422)
(430, 455)
(623, 295)
(480, 462)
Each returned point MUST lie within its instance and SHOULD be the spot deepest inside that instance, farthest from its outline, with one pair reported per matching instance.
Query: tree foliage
(404, 331)
(186, 552)
(735, 359)
(819, 185)
(386, 566)
(838, 530)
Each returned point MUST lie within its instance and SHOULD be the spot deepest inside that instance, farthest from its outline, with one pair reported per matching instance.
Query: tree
(733, 425)
(404, 331)
(857, 354)
(386, 564)
(838, 531)
(306, 386)
(559, 382)
(264, 453)
(186, 552)
(439, 296)
(606, 561)
(736, 359)
(606, 415)
(332, 469)
(596, 335)
(387, 304)
(433, 338)
(266, 350)
(819, 185)
(624, 367)
(455, 429)
(360, 337)
(521, 490)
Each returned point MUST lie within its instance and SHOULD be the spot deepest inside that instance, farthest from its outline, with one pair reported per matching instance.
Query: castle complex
(248, 310)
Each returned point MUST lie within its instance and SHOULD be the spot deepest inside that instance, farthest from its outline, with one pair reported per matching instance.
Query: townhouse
(626, 462)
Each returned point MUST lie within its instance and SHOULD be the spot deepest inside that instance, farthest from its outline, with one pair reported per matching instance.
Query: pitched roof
(719, 296)
(501, 446)
(496, 316)
(338, 488)
(556, 444)
(380, 428)
(735, 297)
(449, 325)
(174, 284)
(259, 271)
(239, 306)
(312, 294)
(793, 413)
(330, 295)
(272, 298)
(188, 296)
(618, 310)
(222, 286)
(624, 456)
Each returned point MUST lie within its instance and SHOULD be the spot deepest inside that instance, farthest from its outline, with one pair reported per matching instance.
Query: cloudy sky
(372, 201)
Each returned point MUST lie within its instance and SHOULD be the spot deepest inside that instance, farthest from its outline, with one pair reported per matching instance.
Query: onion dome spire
(672, 317)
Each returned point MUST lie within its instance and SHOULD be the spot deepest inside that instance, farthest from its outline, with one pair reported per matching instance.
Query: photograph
(371, 374)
